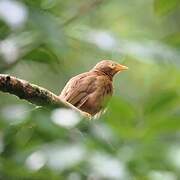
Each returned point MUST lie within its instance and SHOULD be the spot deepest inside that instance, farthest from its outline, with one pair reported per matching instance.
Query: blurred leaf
(43, 54)
(50, 32)
(45, 129)
(161, 101)
(36, 3)
(4, 30)
(121, 109)
(162, 126)
(11, 170)
(121, 116)
(10, 144)
(162, 7)
(173, 39)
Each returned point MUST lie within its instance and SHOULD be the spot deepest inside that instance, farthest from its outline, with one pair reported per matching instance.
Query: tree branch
(34, 94)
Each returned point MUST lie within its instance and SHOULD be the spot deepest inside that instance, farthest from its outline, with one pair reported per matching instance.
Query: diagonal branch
(33, 93)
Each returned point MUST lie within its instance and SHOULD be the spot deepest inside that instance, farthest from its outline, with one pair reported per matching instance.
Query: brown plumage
(91, 90)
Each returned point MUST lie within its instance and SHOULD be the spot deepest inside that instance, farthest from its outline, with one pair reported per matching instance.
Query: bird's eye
(112, 65)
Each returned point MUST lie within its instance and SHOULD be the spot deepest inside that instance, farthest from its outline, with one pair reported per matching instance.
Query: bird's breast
(98, 99)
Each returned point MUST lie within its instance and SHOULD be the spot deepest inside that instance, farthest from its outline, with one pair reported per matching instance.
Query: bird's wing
(78, 88)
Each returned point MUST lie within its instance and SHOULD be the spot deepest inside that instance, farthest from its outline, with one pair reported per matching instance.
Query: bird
(91, 91)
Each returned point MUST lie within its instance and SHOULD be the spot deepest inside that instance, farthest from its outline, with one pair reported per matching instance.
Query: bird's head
(109, 67)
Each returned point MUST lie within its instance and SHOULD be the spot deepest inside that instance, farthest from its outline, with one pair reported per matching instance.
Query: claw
(86, 115)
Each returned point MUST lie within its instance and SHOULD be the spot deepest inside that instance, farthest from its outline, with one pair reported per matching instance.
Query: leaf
(121, 116)
(161, 101)
(173, 39)
(163, 7)
(51, 34)
(4, 30)
(160, 125)
(42, 54)
(119, 108)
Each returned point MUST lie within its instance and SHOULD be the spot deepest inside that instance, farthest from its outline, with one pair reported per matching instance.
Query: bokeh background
(48, 41)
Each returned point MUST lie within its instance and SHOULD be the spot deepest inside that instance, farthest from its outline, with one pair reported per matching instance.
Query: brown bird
(91, 90)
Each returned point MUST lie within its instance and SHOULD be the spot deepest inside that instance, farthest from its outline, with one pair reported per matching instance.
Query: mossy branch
(33, 93)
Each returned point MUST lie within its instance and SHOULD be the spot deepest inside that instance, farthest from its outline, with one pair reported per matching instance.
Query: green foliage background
(138, 137)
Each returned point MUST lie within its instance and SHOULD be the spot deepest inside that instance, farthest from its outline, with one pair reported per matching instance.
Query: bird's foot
(86, 115)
